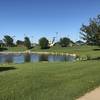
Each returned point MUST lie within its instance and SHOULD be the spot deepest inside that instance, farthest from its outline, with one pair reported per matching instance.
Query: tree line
(9, 42)
(44, 43)
(90, 34)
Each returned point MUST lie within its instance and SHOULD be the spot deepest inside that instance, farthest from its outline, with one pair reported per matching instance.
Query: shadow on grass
(3, 49)
(97, 49)
(97, 58)
(7, 68)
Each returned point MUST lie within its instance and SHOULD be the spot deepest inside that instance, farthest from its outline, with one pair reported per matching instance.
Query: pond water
(21, 58)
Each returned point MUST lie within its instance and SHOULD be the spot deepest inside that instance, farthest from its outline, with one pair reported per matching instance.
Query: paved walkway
(93, 95)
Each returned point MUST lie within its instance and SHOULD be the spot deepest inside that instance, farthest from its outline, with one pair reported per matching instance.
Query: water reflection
(9, 59)
(27, 58)
(21, 58)
(43, 57)
(1, 59)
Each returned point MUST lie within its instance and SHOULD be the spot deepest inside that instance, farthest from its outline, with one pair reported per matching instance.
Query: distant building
(79, 42)
(71, 43)
(34, 44)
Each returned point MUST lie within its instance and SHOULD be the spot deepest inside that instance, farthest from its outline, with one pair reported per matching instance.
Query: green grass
(16, 49)
(49, 81)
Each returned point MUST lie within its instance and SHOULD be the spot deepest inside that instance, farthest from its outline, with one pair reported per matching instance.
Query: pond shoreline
(46, 53)
(22, 57)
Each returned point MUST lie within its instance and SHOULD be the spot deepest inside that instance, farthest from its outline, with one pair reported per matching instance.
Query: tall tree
(91, 32)
(27, 42)
(8, 40)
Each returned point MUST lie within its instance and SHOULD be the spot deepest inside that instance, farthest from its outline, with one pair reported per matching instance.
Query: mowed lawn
(48, 81)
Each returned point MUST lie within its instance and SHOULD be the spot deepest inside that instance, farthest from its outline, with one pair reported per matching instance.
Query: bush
(44, 43)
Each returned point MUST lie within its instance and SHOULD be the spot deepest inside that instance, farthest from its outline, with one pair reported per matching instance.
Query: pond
(22, 58)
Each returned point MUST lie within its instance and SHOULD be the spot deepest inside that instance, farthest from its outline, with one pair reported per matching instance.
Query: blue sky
(39, 18)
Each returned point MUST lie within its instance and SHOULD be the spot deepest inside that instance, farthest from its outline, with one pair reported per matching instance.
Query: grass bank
(92, 51)
(48, 81)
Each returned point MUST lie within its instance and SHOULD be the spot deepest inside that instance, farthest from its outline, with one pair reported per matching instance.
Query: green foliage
(8, 40)
(27, 42)
(44, 43)
(64, 42)
(91, 33)
(19, 42)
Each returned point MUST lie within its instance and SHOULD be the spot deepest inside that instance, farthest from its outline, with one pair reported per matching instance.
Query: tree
(44, 43)
(91, 32)
(8, 40)
(20, 43)
(27, 42)
(64, 42)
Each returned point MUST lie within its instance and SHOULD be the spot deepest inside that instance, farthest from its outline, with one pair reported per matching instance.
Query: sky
(45, 18)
